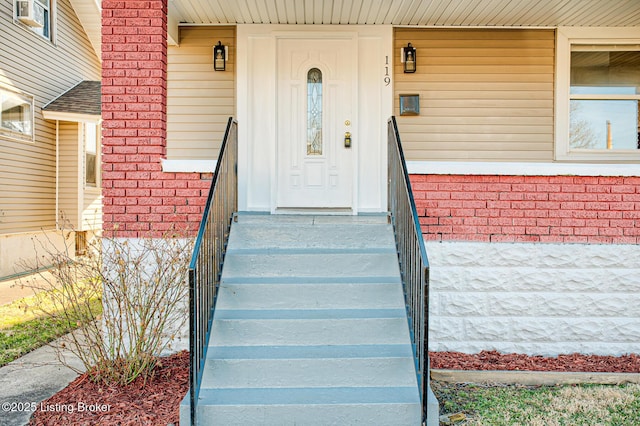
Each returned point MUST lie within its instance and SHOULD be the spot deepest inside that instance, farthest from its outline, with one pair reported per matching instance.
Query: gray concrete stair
(310, 327)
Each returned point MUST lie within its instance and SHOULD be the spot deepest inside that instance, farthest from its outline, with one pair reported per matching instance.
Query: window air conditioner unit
(30, 12)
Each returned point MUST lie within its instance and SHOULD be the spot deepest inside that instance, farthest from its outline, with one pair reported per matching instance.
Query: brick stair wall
(549, 209)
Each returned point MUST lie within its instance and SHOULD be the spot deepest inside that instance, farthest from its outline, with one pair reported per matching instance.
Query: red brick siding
(557, 209)
(138, 198)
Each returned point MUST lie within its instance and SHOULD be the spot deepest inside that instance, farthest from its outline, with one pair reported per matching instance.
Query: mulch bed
(156, 403)
(493, 360)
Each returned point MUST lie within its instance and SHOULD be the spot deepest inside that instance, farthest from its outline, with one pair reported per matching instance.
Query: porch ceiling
(503, 13)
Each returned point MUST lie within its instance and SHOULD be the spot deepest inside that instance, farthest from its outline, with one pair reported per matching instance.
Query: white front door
(315, 110)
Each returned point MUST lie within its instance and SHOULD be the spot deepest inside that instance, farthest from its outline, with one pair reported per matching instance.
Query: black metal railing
(208, 255)
(412, 256)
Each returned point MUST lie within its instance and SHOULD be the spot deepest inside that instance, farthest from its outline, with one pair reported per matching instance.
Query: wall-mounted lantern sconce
(219, 57)
(408, 58)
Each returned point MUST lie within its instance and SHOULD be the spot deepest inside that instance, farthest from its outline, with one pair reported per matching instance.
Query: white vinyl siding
(485, 95)
(34, 65)
(199, 99)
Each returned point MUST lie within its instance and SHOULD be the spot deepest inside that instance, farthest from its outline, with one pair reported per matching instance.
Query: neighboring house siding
(31, 64)
(199, 99)
(70, 162)
(91, 216)
(80, 206)
(485, 95)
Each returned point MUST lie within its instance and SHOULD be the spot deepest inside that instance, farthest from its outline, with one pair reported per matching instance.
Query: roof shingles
(83, 98)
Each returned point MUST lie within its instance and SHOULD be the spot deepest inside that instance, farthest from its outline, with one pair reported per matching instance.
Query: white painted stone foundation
(146, 258)
(538, 299)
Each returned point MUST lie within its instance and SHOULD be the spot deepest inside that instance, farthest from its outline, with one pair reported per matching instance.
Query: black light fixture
(408, 58)
(219, 57)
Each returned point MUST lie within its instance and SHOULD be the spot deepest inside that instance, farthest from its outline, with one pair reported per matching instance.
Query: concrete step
(309, 373)
(276, 332)
(282, 237)
(386, 406)
(311, 264)
(310, 327)
(266, 219)
(310, 351)
(310, 296)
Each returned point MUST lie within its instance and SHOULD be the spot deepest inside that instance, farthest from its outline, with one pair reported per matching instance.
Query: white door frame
(256, 97)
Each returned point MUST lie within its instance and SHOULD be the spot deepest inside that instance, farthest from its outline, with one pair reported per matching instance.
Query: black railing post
(412, 256)
(208, 254)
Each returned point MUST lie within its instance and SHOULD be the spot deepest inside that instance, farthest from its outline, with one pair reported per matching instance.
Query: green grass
(23, 330)
(21, 311)
(498, 405)
(24, 337)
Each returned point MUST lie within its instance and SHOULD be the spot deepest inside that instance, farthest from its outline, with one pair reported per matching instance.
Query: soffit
(89, 14)
(500, 13)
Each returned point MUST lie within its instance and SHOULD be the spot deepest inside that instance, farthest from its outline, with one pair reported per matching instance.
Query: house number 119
(387, 79)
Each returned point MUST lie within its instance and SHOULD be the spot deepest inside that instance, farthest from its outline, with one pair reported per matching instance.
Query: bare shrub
(141, 287)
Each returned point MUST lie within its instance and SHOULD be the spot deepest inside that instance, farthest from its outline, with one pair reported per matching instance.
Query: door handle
(347, 139)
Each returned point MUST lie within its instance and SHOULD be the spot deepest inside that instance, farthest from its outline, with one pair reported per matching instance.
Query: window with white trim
(598, 99)
(16, 114)
(36, 14)
(91, 144)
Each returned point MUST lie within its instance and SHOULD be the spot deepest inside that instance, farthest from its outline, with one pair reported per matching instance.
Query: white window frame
(14, 134)
(566, 36)
(50, 11)
(85, 151)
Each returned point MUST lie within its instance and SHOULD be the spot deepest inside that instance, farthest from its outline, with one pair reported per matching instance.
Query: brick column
(134, 99)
